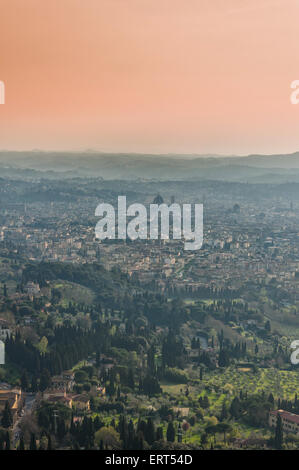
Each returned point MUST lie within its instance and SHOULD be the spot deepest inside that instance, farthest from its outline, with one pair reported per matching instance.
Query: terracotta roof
(82, 398)
(286, 415)
(57, 398)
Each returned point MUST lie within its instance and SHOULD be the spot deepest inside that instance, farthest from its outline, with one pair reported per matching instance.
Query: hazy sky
(194, 76)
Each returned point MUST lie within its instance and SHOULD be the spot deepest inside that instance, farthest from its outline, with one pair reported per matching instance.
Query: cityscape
(149, 230)
(141, 344)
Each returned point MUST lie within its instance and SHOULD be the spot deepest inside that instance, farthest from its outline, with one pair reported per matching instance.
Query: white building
(4, 333)
(31, 288)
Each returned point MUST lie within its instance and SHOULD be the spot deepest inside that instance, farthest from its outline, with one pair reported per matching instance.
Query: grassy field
(72, 292)
(282, 384)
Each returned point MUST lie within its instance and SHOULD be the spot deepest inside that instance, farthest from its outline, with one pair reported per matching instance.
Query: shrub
(176, 376)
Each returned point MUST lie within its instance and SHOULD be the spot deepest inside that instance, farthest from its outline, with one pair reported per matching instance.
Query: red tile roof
(286, 415)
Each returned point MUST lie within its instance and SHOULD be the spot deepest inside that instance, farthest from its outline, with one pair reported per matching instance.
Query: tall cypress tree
(224, 413)
(34, 386)
(150, 431)
(25, 381)
(49, 443)
(159, 433)
(32, 442)
(170, 432)
(45, 380)
(278, 439)
(22, 445)
(7, 441)
(7, 420)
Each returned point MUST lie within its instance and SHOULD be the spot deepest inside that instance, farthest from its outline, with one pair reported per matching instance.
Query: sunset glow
(196, 76)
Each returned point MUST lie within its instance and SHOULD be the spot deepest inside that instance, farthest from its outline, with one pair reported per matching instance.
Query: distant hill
(251, 168)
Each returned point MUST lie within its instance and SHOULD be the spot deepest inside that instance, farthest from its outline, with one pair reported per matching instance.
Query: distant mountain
(260, 168)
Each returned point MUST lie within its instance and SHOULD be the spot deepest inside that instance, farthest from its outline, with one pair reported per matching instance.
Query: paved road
(29, 404)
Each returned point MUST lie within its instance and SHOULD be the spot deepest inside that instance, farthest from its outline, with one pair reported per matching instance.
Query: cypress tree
(32, 442)
(7, 420)
(278, 439)
(22, 445)
(7, 441)
(150, 431)
(34, 386)
(45, 380)
(159, 433)
(170, 434)
(224, 413)
(49, 447)
(25, 382)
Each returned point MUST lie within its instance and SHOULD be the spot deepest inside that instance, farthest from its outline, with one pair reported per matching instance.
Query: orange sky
(204, 76)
